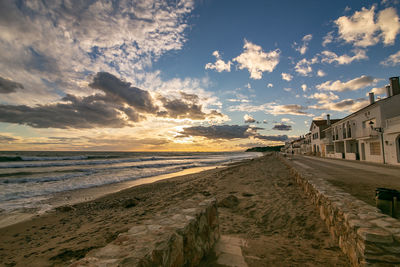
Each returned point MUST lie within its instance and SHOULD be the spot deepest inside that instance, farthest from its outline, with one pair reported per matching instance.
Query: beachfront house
(373, 132)
(318, 138)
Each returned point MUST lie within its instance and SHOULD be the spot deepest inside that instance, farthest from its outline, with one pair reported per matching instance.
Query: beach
(258, 201)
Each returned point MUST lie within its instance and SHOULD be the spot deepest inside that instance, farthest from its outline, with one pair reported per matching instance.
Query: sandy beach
(258, 202)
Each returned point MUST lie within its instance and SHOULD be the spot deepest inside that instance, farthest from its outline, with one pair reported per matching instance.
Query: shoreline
(72, 197)
(250, 196)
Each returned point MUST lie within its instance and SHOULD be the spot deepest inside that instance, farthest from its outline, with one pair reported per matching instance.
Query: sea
(28, 179)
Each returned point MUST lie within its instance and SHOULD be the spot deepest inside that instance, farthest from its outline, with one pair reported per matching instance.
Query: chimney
(394, 84)
(328, 119)
(371, 98)
(388, 91)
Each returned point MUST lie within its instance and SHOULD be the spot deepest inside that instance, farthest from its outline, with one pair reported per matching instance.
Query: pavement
(357, 178)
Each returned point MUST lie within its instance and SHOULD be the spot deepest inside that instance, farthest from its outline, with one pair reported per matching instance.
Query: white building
(373, 132)
(318, 143)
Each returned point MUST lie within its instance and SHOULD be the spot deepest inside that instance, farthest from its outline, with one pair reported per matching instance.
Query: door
(362, 151)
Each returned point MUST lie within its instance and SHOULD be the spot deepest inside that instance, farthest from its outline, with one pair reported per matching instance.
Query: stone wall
(367, 236)
(179, 237)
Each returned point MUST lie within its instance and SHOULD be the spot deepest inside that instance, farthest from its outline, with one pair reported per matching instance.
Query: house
(317, 134)
(371, 133)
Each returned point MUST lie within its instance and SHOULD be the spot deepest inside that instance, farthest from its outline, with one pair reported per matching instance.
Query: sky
(185, 75)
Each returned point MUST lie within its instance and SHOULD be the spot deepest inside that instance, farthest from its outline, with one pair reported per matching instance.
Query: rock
(229, 202)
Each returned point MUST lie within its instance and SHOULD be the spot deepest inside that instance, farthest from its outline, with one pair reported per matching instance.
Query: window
(375, 148)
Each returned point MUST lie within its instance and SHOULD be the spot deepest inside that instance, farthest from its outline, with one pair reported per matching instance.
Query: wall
(365, 235)
(178, 237)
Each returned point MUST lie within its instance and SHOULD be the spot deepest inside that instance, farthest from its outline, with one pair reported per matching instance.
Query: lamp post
(379, 130)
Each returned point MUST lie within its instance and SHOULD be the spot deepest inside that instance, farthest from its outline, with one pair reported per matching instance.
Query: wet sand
(258, 202)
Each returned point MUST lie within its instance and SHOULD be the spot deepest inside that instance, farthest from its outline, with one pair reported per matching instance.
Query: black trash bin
(387, 200)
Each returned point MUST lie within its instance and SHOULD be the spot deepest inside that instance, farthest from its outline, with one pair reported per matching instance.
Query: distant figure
(292, 152)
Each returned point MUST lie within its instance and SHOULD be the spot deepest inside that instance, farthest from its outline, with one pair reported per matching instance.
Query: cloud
(286, 120)
(273, 108)
(392, 60)
(49, 45)
(248, 119)
(87, 112)
(321, 73)
(303, 67)
(331, 57)
(347, 105)
(219, 64)
(270, 85)
(277, 138)
(287, 89)
(117, 105)
(286, 76)
(323, 97)
(219, 131)
(362, 29)
(7, 139)
(351, 85)
(229, 132)
(304, 87)
(282, 127)
(7, 86)
(256, 61)
(265, 121)
(302, 49)
(377, 91)
(119, 91)
(328, 38)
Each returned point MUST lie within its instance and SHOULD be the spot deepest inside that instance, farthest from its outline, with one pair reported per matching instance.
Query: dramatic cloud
(392, 60)
(302, 49)
(351, 85)
(229, 132)
(187, 107)
(323, 98)
(286, 76)
(256, 61)
(277, 138)
(331, 57)
(347, 105)
(321, 73)
(282, 127)
(377, 91)
(88, 112)
(8, 86)
(117, 105)
(119, 91)
(248, 119)
(219, 131)
(304, 87)
(273, 108)
(270, 85)
(47, 45)
(303, 67)
(362, 29)
(219, 64)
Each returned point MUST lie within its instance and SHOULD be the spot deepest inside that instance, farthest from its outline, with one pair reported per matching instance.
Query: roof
(321, 123)
(376, 103)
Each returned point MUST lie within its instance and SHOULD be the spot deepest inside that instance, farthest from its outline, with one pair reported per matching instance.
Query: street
(357, 178)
